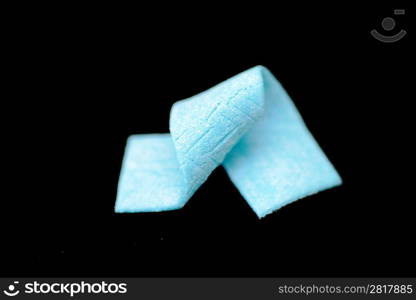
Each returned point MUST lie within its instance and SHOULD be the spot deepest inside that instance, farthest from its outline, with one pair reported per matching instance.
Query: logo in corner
(12, 290)
(388, 24)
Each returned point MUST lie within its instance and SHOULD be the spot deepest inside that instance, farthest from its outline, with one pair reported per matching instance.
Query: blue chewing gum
(249, 124)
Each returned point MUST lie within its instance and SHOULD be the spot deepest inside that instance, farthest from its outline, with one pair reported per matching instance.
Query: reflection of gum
(247, 122)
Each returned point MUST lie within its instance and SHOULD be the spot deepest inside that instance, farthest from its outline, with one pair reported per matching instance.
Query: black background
(82, 82)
